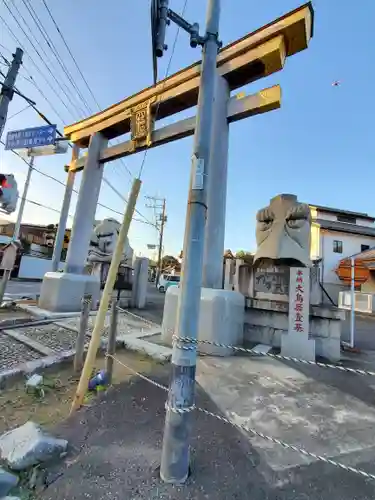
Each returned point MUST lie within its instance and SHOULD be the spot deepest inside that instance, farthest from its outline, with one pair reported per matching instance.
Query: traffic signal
(8, 193)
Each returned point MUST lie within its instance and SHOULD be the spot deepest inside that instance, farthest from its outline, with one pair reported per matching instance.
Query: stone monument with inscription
(282, 305)
(283, 255)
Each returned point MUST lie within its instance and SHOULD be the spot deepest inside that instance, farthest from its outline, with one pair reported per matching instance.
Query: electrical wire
(45, 206)
(79, 70)
(74, 190)
(17, 40)
(54, 50)
(50, 44)
(50, 63)
(70, 52)
(19, 112)
(7, 63)
(41, 58)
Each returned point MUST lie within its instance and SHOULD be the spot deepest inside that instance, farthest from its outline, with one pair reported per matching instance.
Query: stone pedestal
(267, 322)
(221, 319)
(62, 292)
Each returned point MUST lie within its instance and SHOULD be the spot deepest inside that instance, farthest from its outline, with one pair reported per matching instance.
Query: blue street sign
(31, 137)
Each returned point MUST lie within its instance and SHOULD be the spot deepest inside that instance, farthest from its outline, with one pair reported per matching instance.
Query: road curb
(24, 369)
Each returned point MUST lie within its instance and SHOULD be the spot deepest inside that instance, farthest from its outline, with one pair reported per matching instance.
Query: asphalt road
(364, 332)
(18, 288)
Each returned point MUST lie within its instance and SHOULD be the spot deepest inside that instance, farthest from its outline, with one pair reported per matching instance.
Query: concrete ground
(116, 443)
(116, 446)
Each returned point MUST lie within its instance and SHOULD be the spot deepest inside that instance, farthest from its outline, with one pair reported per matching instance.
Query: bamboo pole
(107, 293)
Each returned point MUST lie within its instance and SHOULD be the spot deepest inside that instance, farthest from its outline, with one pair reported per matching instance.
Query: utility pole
(17, 227)
(162, 219)
(175, 455)
(59, 238)
(161, 235)
(7, 90)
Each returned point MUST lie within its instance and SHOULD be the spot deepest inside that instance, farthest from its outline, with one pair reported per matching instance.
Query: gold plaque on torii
(142, 124)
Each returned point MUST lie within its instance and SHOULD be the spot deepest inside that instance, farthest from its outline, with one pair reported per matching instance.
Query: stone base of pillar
(221, 319)
(297, 346)
(62, 292)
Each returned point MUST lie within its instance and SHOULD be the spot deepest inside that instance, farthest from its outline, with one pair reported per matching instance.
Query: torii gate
(254, 56)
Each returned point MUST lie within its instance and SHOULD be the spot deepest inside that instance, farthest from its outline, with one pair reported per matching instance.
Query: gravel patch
(13, 353)
(55, 337)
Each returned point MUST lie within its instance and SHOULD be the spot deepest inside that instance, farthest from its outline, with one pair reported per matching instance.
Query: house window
(364, 248)
(337, 246)
(347, 218)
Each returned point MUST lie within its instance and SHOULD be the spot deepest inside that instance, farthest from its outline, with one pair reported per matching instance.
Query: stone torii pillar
(86, 207)
(217, 190)
(63, 291)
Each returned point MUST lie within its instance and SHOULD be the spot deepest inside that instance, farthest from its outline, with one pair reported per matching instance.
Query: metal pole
(175, 455)
(6, 93)
(80, 342)
(17, 227)
(111, 346)
(352, 293)
(59, 239)
(160, 254)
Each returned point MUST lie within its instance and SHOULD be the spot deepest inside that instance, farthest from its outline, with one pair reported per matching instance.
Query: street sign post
(31, 137)
(37, 141)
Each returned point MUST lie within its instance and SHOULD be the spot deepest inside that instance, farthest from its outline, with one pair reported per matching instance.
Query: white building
(336, 234)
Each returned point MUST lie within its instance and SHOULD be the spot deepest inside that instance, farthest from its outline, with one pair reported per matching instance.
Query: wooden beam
(241, 62)
(255, 104)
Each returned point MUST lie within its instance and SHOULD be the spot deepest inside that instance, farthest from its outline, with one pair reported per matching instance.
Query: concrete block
(297, 346)
(63, 291)
(221, 319)
(328, 348)
(262, 334)
(170, 314)
(140, 283)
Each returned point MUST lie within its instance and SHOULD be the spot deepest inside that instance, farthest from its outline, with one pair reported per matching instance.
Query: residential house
(335, 235)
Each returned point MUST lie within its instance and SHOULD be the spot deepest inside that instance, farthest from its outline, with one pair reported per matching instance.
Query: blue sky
(319, 145)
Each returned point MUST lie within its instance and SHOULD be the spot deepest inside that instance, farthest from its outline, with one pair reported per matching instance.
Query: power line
(38, 69)
(57, 56)
(79, 69)
(18, 112)
(32, 104)
(50, 63)
(45, 206)
(74, 190)
(53, 49)
(41, 58)
(70, 52)
(5, 48)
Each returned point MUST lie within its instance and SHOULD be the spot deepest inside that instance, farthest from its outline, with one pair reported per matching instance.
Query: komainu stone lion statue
(283, 232)
(102, 246)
